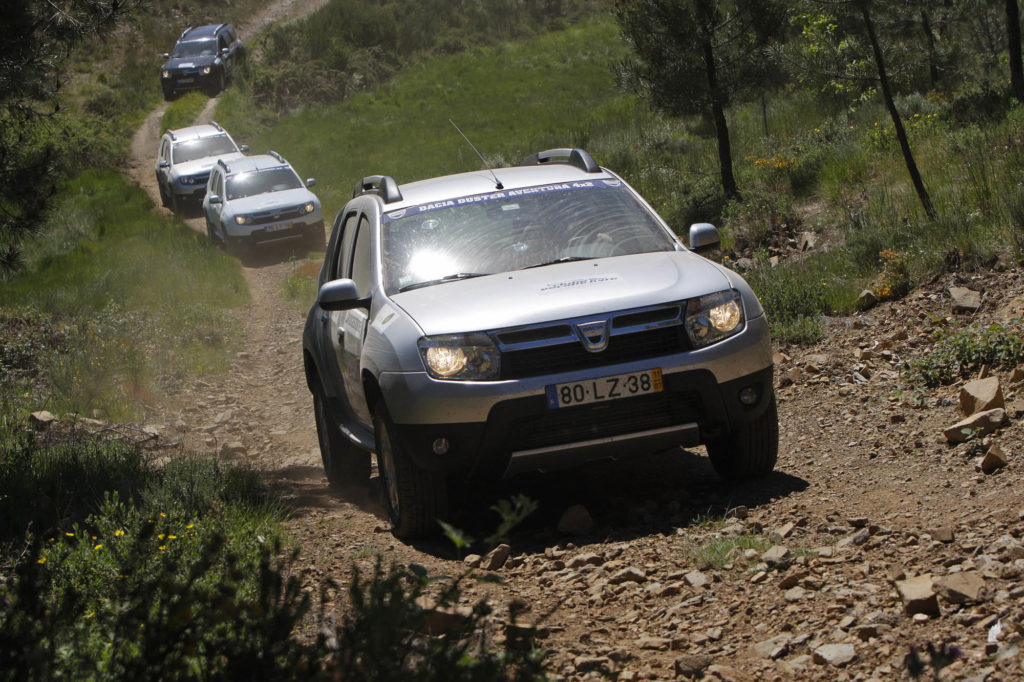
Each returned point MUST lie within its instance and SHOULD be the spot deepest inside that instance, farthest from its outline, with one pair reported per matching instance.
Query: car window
(195, 48)
(190, 150)
(362, 266)
(515, 229)
(344, 256)
(260, 182)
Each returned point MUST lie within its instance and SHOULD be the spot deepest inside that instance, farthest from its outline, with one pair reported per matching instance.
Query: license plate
(185, 80)
(279, 227)
(605, 388)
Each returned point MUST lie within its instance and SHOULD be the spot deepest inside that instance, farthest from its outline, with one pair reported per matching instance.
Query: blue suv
(204, 58)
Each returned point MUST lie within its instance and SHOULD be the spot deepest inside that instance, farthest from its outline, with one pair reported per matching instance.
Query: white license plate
(604, 388)
(279, 227)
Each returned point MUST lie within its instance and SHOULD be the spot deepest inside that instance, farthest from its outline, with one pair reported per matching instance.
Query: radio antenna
(497, 182)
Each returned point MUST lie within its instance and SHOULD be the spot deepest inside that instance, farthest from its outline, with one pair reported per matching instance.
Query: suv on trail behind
(204, 58)
(259, 201)
(521, 319)
(184, 159)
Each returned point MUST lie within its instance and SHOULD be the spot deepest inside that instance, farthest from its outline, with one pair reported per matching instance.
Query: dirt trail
(867, 493)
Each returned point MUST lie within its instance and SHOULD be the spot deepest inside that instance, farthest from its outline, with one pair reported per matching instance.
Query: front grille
(277, 215)
(567, 357)
(567, 425)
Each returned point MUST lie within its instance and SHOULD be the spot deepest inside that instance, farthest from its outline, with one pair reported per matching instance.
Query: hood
(187, 63)
(271, 200)
(201, 165)
(561, 291)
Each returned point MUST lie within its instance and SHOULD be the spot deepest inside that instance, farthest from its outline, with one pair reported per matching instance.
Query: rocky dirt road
(874, 539)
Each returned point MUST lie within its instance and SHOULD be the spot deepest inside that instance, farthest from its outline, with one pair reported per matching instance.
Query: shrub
(958, 354)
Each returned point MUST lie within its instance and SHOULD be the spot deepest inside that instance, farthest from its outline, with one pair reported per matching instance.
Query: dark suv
(203, 58)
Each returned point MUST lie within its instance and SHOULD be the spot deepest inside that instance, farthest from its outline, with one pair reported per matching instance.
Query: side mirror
(167, 55)
(165, 164)
(244, 148)
(340, 294)
(310, 182)
(224, 52)
(214, 199)
(703, 236)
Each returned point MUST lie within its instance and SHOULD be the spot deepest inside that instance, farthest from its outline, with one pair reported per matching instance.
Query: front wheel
(750, 450)
(415, 498)
(347, 466)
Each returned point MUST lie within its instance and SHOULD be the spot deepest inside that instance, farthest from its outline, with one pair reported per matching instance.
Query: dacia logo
(593, 335)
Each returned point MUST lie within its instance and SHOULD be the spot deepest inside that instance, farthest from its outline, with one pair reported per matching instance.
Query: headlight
(206, 70)
(165, 74)
(242, 220)
(309, 208)
(462, 357)
(714, 317)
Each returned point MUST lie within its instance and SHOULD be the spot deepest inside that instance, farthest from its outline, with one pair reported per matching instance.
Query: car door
(346, 329)
(162, 163)
(214, 188)
(224, 48)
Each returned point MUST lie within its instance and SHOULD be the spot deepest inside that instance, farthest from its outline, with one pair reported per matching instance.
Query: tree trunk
(1013, 45)
(894, 114)
(933, 68)
(717, 103)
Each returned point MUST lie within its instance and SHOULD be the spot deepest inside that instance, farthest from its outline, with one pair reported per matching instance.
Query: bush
(958, 354)
(114, 568)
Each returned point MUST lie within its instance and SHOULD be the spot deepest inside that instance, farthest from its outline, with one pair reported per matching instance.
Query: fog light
(440, 446)
(748, 396)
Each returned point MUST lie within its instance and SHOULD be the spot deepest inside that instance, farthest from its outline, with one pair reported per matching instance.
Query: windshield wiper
(441, 280)
(563, 259)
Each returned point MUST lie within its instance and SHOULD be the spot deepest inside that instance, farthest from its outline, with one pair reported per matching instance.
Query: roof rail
(216, 125)
(574, 157)
(276, 156)
(187, 29)
(171, 134)
(223, 164)
(381, 185)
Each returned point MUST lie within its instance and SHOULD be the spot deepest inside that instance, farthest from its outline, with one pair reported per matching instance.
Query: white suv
(484, 324)
(184, 160)
(259, 201)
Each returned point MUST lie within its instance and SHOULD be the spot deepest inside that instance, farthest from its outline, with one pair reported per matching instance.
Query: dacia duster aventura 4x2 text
(495, 322)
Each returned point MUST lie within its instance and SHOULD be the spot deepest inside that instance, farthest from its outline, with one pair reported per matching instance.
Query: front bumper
(273, 234)
(496, 429)
(180, 81)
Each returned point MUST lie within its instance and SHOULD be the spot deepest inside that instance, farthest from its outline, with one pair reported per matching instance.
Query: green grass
(183, 111)
(511, 100)
(145, 299)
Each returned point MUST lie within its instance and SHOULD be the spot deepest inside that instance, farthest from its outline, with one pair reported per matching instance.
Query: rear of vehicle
(541, 318)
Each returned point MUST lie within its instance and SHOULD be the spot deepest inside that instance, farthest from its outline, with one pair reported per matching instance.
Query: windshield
(195, 48)
(515, 229)
(190, 150)
(260, 182)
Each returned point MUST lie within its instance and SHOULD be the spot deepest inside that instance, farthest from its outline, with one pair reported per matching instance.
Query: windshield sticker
(578, 282)
(492, 196)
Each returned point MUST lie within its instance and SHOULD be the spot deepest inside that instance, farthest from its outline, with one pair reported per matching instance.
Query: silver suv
(259, 201)
(184, 160)
(495, 322)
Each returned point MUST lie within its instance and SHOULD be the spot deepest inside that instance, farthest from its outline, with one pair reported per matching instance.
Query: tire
(347, 467)
(415, 498)
(169, 94)
(218, 85)
(163, 194)
(175, 202)
(314, 241)
(749, 451)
